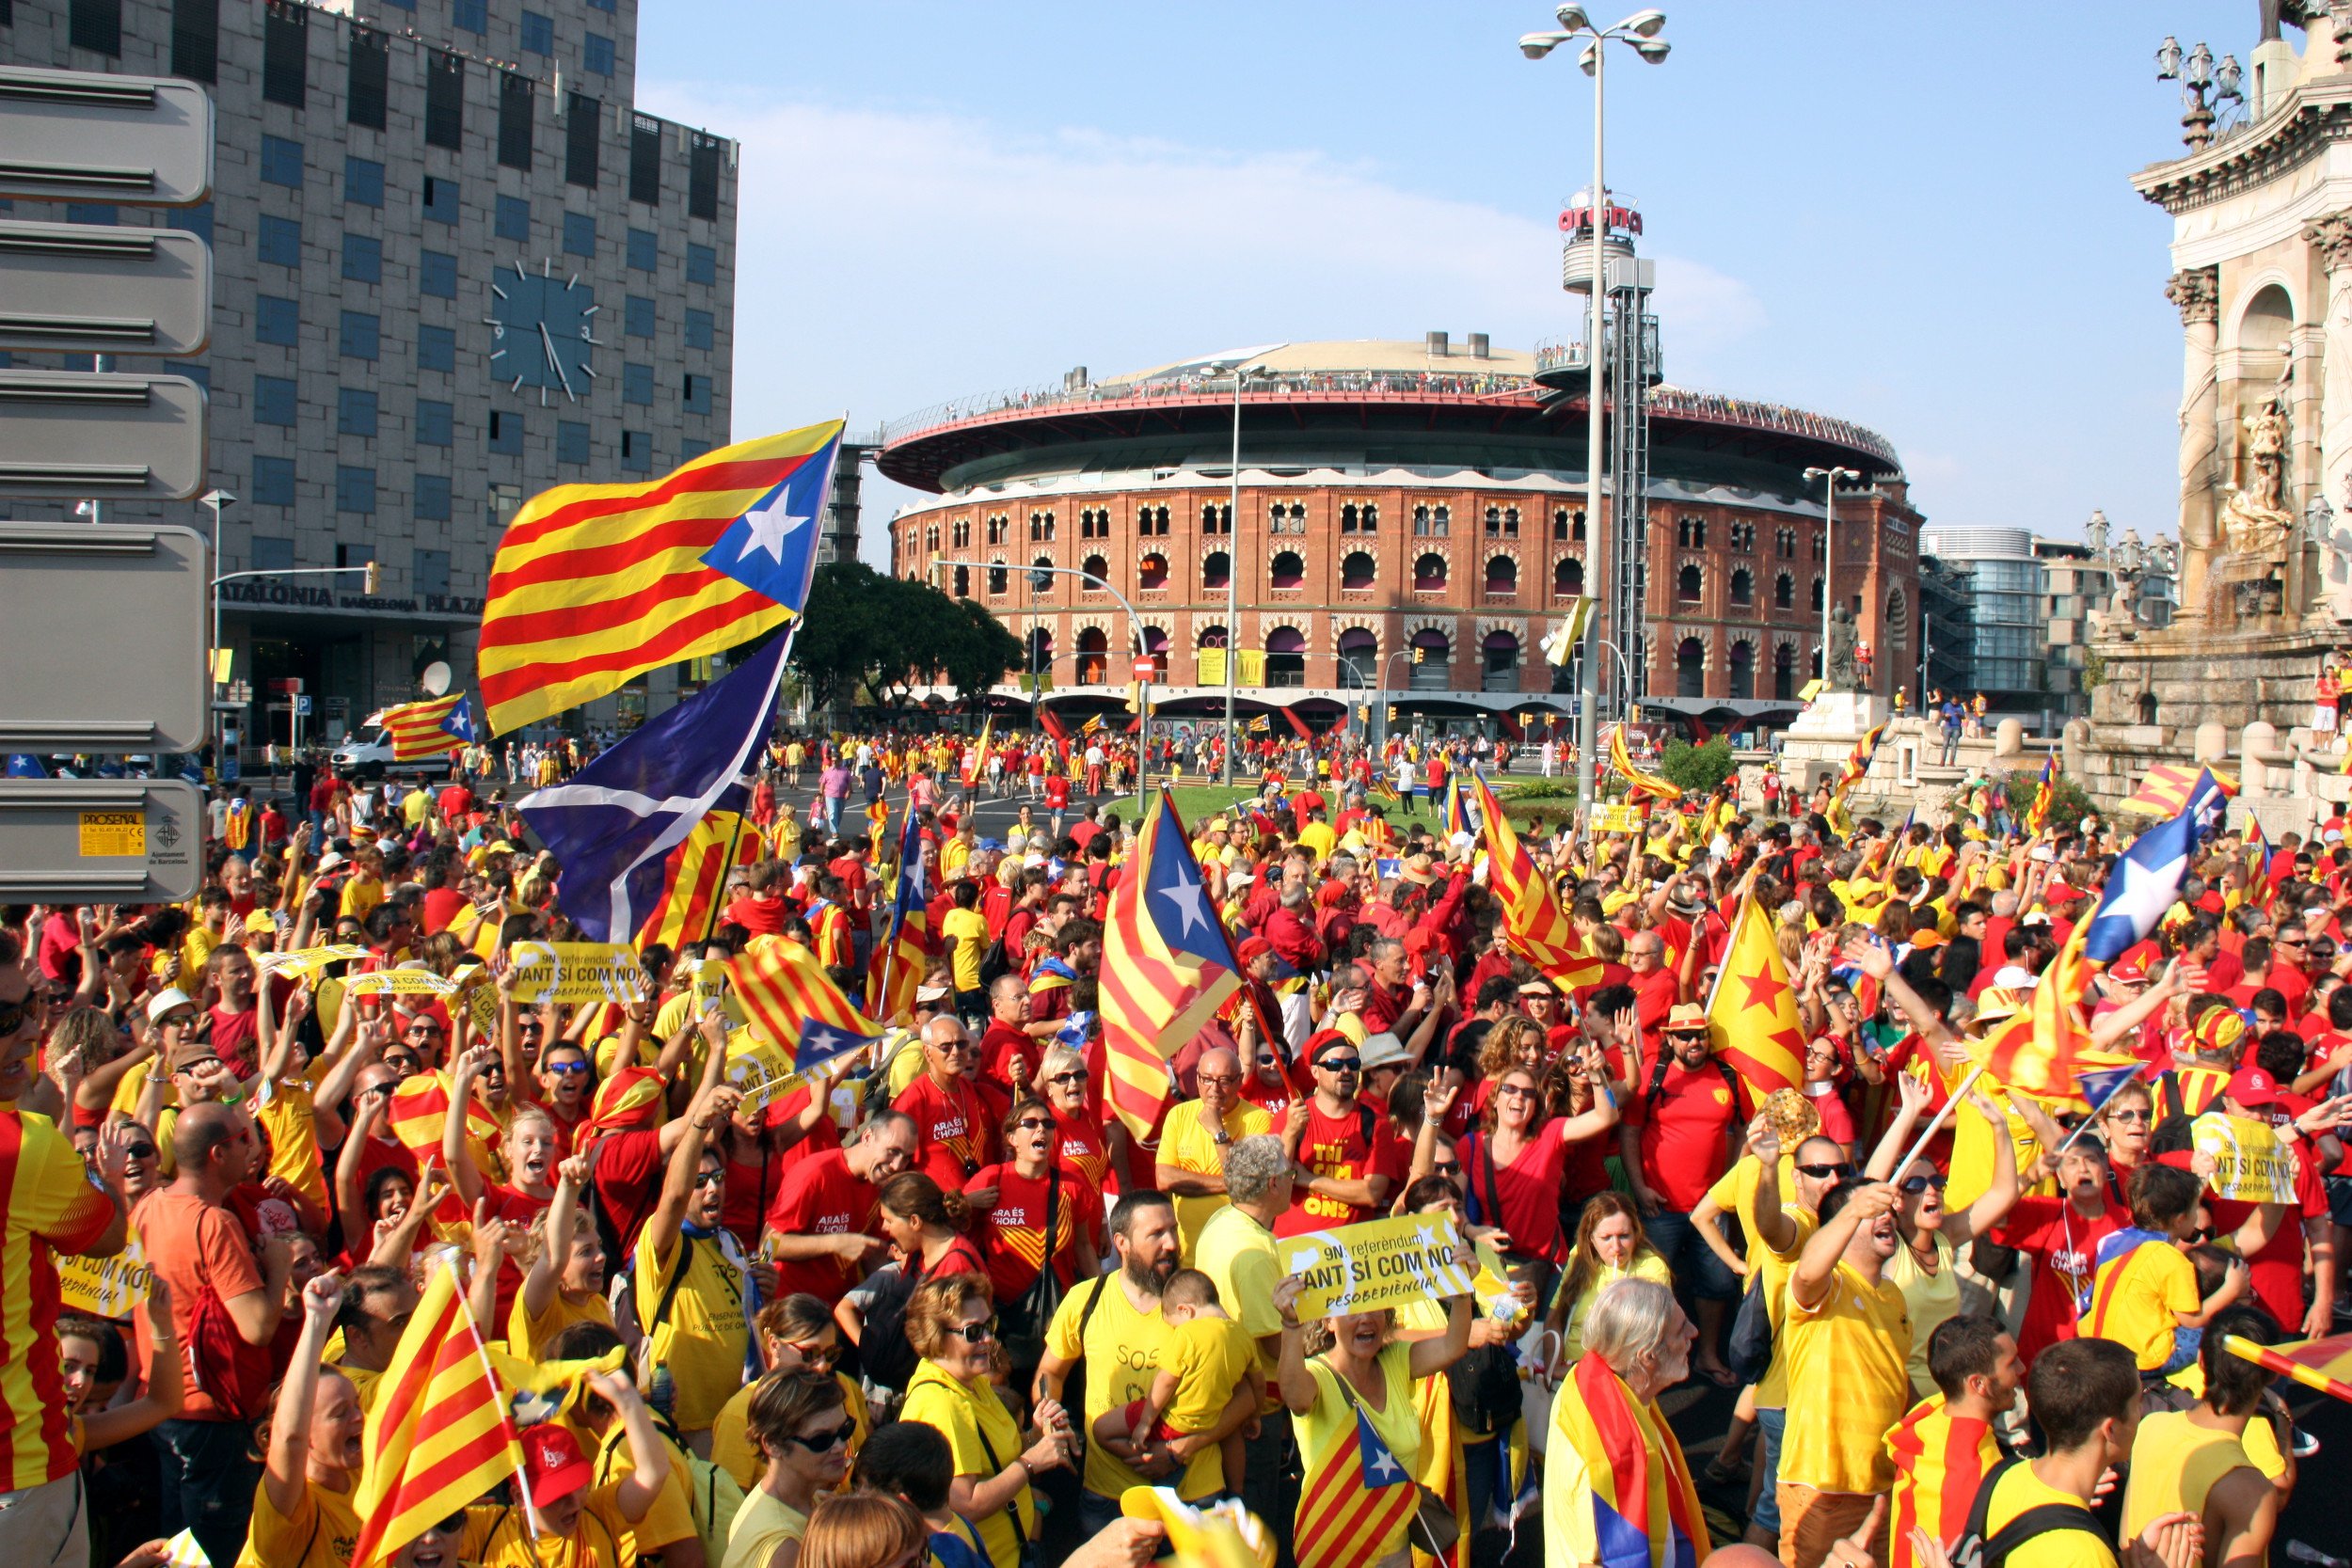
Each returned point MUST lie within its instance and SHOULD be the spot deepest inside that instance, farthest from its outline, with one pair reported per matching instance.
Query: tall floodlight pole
(1829, 478)
(1641, 31)
(1232, 565)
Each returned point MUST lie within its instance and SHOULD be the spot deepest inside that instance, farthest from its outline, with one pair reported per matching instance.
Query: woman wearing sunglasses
(1096, 1144)
(951, 1323)
(803, 1430)
(1922, 1267)
(795, 1334)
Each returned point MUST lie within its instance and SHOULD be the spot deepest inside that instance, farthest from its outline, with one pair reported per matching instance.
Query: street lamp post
(1640, 31)
(1233, 558)
(1829, 554)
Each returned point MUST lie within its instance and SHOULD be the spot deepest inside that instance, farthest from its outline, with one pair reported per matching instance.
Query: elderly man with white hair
(1611, 1456)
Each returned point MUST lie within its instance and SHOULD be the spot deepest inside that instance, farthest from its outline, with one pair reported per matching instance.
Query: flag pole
(1936, 1122)
(2084, 1126)
(513, 1445)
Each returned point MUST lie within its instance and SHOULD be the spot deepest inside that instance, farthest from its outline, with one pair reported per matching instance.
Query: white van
(368, 754)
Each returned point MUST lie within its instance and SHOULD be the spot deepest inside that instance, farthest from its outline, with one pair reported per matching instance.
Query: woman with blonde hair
(864, 1530)
(1095, 1144)
(1610, 1245)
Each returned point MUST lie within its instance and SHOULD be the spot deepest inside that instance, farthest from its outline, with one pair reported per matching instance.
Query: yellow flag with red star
(1752, 1016)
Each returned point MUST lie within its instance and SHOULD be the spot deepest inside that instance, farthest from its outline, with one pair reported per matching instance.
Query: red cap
(2133, 965)
(1251, 949)
(553, 1463)
(1322, 1040)
(2252, 1085)
(2059, 893)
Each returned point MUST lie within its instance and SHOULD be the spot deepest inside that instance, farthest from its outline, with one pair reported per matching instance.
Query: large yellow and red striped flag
(794, 1005)
(2322, 1364)
(895, 973)
(1640, 785)
(1539, 930)
(1167, 966)
(2165, 790)
(438, 1435)
(1645, 1510)
(2040, 1050)
(595, 584)
(437, 727)
(1752, 1014)
(419, 1109)
(694, 883)
(975, 760)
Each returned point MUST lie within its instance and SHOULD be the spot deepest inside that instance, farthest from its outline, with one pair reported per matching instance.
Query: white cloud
(886, 260)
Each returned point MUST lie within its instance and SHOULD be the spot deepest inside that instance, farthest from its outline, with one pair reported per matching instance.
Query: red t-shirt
(1012, 1232)
(759, 916)
(955, 1128)
(233, 1035)
(1336, 1146)
(628, 1171)
(1000, 1044)
(2063, 1246)
(442, 905)
(1523, 1196)
(1683, 1132)
(2275, 1273)
(821, 1197)
(1654, 997)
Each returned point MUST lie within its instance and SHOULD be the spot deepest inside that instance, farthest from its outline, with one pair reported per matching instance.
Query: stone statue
(2255, 520)
(1845, 667)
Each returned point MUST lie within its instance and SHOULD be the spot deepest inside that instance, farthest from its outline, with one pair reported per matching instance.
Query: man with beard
(1113, 1323)
(1849, 1379)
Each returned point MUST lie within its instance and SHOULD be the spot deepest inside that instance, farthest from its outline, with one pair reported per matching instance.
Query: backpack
(1976, 1551)
(883, 1349)
(712, 1495)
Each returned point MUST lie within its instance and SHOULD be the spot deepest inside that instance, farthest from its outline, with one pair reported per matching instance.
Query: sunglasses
(1349, 1065)
(1450, 1167)
(818, 1355)
(140, 1151)
(1030, 1124)
(825, 1442)
(566, 1068)
(1513, 1091)
(1075, 1075)
(1935, 1179)
(12, 1016)
(710, 1178)
(976, 1333)
(1825, 1173)
(1224, 1078)
(2130, 1119)
(402, 1064)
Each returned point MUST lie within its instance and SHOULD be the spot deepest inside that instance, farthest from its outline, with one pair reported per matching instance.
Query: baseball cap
(2252, 1085)
(260, 923)
(2219, 1029)
(552, 1463)
(2132, 968)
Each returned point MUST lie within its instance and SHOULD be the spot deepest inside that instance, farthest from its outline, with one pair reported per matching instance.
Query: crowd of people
(941, 1302)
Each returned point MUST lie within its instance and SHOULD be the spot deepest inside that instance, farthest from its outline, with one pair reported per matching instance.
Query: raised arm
(646, 1451)
(457, 1148)
(546, 1268)
(285, 1470)
(1808, 1286)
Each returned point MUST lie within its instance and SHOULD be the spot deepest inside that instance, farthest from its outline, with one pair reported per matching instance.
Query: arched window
(1429, 573)
(1094, 656)
(1784, 592)
(1690, 669)
(963, 582)
(997, 580)
(1041, 649)
(1494, 522)
(1371, 519)
(1691, 533)
(1210, 637)
(1432, 522)
(1785, 542)
(1095, 566)
(1216, 569)
(1432, 669)
(1743, 669)
(2147, 707)
(1359, 658)
(1503, 577)
(1041, 582)
(1499, 657)
(1154, 645)
(1152, 571)
(1287, 570)
(1689, 585)
(1351, 518)
(1784, 672)
(1356, 570)
(1559, 525)
(1286, 657)
(1216, 517)
(1742, 586)
(1151, 522)
(1817, 593)
(1567, 578)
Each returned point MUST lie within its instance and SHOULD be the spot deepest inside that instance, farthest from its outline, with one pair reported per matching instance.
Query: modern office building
(2001, 577)
(2075, 582)
(1412, 523)
(455, 266)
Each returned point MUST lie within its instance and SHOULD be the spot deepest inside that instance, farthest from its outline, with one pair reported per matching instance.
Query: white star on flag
(1184, 893)
(770, 524)
(1382, 1465)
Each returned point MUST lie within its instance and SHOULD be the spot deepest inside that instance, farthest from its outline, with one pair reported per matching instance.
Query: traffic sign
(119, 841)
(117, 437)
(101, 631)
(1146, 668)
(85, 135)
(85, 288)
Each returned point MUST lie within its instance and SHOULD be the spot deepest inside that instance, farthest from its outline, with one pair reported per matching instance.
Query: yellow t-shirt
(1122, 1349)
(528, 1337)
(1647, 1265)
(1190, 1145)
(361, 894)
(671, 1517)
(2020, 1489)
(321, 1533)
(1930, 1298)
(763, 1523)
(414, 806)
(1734, 1192)
(1237, 1252)
(700, 1344)
(2175, 1462)
(1332, 1420)
(969, 927)
(1848, 1381)
(283, 1109)
(2135, 1301)
(1209, 1357)
(982, 1439)
(1318, 840)
(498, 1536)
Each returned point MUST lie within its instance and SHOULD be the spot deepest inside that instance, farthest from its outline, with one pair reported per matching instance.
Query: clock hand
(554, 363)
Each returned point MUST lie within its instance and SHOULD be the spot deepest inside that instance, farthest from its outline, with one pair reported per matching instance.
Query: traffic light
(1392, 713)
(367, 579)
(1420, 654)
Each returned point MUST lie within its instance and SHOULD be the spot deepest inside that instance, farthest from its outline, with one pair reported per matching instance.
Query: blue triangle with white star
(771, 548)
(1381, 1465)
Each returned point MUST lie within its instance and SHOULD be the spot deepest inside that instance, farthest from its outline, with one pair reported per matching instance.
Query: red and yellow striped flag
(794, 1006)
(1640, 785)
(419, 1109)
(1752, 1015)
(595, 584)
(433, 728)
(2040, 1050)
(1167, 966)
(975, 760)
(438, 1435)
(2165, 790)
(1357, 1503)
(1940, 1459)
(2322, 1364)
(694, 883)
(2037, 815)
(1645, 1510)
(1539, 930)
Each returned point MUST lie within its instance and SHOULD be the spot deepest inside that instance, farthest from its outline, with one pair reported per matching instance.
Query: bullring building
(454, 265)
(1412, 523)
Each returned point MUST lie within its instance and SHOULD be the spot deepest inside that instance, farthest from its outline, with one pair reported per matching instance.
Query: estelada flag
(2165, 789)
(1532, 921)
(596, 585)
(1752, 1014)
(694, 883)
(2040, 1050)
(438, 1435)
(435, 727)
(1167, 966)
(2037, 815)
(794, 1005)
(1357, 1503)
(1642, 1509)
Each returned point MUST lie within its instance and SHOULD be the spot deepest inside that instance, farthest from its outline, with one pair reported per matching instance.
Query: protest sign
(1608, 818)
(576, 972)
(104, 1287)
(2253, 1165)
(399, 982)
(1357, 1268)
(759, 1072)
(308, 961)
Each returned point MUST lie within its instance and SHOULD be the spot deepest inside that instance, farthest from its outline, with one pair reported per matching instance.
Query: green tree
(871, 638)
(1697, 770)
(2067, 808)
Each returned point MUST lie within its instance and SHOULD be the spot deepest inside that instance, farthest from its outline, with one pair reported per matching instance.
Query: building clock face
(542, 330)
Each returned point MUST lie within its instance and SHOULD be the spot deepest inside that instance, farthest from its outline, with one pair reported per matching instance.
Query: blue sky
(1914, 217)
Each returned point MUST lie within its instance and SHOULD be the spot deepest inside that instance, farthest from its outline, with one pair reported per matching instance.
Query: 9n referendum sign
(1361, 1268)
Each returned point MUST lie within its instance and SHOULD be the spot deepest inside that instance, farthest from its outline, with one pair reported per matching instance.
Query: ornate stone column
(2197, 291)
(2332, 237)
